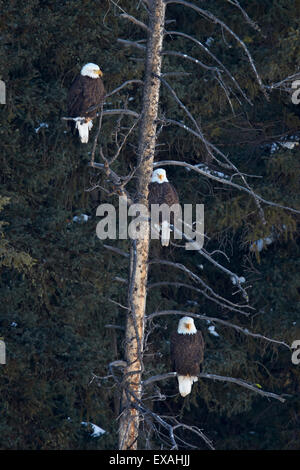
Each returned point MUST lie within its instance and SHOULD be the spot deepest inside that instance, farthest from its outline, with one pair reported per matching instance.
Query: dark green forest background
(56, 275)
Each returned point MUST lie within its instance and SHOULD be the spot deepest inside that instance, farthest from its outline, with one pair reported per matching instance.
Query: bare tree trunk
(129, 420)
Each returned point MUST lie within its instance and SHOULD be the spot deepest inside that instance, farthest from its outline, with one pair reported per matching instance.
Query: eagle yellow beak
(188, 326)
(99, 72)
(161, 177)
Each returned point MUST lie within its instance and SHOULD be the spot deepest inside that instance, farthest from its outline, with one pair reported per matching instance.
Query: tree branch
(192, 59)
(128, 43)
(216, 20)
(245, 331)
(216, 178)
(221, 378)
(202, 46)
(107, 112)
(135, 21)
(200, 291)
(128, 82)
(221, 300)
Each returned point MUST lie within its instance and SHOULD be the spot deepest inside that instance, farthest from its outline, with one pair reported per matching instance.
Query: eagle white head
(91, 70)
(186, 326)
(159, 176)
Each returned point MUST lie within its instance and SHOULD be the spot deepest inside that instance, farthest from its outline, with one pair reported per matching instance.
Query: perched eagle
(187, 348)
(87, 91)
(162, 192)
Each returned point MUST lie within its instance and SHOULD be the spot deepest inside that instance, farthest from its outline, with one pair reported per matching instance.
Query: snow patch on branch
(81, 219)
(97, 431)
(40, 126)
(288, 143)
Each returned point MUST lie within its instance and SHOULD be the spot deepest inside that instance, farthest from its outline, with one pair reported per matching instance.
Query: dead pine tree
(134, 337)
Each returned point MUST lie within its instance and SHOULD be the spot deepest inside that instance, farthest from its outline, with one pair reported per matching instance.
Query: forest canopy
(63, 291)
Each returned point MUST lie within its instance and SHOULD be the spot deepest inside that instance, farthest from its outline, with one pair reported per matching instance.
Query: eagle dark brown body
(85, 93)
(187, 353)
(164, 196)
(162, 193)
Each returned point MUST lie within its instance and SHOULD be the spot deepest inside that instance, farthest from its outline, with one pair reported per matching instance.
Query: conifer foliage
(63, 291)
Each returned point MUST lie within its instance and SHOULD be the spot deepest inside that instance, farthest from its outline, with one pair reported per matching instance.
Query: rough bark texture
(129, 421)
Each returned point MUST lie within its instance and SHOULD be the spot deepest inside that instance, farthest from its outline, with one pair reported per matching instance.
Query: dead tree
(129, 421)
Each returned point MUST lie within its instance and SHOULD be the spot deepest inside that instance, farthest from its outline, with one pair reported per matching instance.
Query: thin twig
(216, 178)
(202, 375)
(216, 20)
(245, 331)
(135, 21)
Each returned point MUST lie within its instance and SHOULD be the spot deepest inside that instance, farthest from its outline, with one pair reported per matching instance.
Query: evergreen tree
(58, 278)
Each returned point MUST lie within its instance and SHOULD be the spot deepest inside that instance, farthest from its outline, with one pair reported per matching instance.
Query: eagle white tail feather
(165, 233)
(185, 383)
(83, 129)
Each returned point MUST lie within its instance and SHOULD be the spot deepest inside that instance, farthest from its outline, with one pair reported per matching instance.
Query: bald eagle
(85, 98)
(187, 349)
(162, 192)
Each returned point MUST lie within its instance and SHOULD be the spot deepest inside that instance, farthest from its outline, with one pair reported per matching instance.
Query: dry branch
(216, 178)
(245, 331)
(221, 378)
(216, 20)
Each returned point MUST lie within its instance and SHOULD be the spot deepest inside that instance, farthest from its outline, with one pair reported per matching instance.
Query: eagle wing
(173, 349)
(163, 193)
(170, 194)
(200, 346)
(85, 93)
(187, 353)
(75, 96)
(93, 96)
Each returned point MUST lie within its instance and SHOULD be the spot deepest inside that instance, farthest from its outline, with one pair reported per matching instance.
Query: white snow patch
(41, 125)
(97, 431)
(209, 41)
(212, 330)
(205, 168)
(261, 243)
(288, 144)
(82, 218)
(237, 280)
(274, 147)
(192, 302)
